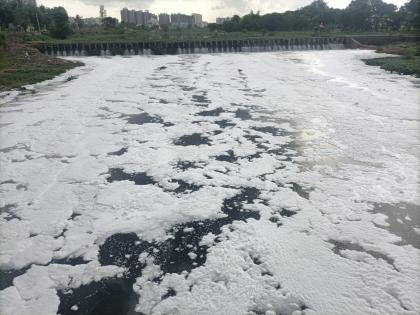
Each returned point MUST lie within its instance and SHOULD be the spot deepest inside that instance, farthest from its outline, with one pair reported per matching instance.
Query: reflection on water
(403, 220)
(340, 246)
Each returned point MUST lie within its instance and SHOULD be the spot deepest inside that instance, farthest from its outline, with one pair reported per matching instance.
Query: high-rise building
(102, 12)
(164, 19)
(139, 18)
(132, 17)
(153, 20)
(124, 15)
(197, 19)
(181, 20)
(145, 18)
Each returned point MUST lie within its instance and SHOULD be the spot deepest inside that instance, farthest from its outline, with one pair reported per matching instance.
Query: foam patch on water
(259, 172)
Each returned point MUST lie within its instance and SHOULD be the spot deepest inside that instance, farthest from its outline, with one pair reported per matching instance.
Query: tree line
(359, 15)
(21, 17)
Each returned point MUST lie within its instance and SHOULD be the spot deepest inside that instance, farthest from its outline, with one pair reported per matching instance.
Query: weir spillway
(192, 47)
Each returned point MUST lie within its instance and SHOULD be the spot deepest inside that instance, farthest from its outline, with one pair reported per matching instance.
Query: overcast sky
(209, 8)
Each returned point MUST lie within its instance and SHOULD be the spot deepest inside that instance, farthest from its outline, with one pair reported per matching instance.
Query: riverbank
(408, 61)
(22, 65)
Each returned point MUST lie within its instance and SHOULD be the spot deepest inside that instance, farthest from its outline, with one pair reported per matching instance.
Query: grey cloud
(244, 6)
(236, 4)
(120, 4)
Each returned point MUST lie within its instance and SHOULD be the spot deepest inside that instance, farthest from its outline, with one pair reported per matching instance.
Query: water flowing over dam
(193, 47)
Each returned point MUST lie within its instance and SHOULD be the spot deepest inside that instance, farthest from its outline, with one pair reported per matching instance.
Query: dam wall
(220, 46)
(189, 47)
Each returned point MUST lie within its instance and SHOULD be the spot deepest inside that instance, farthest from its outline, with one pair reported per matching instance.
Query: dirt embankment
(21, 64)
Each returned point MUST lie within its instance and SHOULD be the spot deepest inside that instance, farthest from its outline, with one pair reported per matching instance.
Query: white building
(197, 19)
(102, 12)
(221, 20)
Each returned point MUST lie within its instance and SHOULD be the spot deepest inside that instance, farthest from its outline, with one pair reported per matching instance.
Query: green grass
(408, 61)
(30, 75)
(401, 65)
(404, 49)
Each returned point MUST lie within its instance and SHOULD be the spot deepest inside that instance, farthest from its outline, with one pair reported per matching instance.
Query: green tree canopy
(59, 26)
(109, 22)
(360, 15)
(22, 16)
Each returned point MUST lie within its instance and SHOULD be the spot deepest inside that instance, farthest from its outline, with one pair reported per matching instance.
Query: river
(266, 183)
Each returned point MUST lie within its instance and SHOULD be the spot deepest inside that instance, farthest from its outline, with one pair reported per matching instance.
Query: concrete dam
(190, 47)
(219, 46)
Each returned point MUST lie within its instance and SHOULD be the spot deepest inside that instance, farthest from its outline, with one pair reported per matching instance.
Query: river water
(266, 183)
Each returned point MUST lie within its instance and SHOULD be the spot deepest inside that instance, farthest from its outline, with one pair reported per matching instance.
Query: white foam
(355, 143)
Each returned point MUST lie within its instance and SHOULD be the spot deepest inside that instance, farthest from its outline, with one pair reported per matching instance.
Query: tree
(109, 22)
(410, 15)
(25, 16)
(59, 26)
(7, 13)
(367, 15)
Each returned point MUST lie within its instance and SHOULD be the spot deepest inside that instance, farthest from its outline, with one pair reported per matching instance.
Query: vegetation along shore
(407, 62)
(21, 65)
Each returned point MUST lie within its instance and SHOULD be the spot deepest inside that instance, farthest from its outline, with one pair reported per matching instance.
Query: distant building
(197, 19)
(124, 15)
(153, 20)
(221, 20)
(145, 18)
(164, 19)
(92, 21)
(181, 20)
(140, 18)
(102, 12)
(132, 17)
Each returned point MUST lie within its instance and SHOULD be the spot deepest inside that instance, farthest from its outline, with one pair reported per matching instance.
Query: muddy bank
(21, 65)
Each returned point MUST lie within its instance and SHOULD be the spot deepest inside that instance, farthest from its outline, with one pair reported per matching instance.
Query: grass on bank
(21, 65)
(400, 65)
(408, 61)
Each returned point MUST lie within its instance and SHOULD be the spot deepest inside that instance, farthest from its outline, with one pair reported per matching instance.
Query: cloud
(218, 7)
(245, 6)
(115, 3)
(211, 9)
